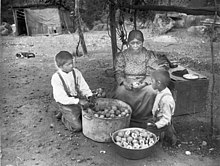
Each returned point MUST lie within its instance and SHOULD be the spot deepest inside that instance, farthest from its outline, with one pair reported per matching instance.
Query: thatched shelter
(34, 17)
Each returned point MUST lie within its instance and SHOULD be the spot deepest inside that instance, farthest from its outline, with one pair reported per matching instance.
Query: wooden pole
(26, 23)
(15, 21)
(0, 12)
(213, 72)
(112, 11)
(79, 28)
(135, 19)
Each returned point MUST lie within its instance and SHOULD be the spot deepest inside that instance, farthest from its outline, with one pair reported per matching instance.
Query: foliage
(93, 11)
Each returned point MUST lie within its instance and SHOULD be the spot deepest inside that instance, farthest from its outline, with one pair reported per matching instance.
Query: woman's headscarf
(135, 34)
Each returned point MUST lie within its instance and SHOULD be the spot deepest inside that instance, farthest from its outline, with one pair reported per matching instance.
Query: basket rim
(115, 118)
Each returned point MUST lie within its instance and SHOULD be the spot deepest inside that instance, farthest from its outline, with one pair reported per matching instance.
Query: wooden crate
(190, 95)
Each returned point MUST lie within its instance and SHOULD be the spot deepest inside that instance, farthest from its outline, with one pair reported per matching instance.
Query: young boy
(164, 106)
(70, 91)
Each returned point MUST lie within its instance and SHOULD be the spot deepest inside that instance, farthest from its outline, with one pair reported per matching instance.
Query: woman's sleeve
(119, 68)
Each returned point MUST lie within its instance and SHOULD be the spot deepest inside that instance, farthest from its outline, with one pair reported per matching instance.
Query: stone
(162, 24)
(197, 30)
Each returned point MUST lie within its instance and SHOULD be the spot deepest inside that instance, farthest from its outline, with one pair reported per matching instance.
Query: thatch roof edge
(38, 6)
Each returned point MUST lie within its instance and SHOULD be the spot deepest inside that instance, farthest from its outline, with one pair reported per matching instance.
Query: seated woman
(133, 68)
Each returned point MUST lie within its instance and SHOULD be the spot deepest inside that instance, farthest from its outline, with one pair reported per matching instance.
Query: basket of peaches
(134, 143)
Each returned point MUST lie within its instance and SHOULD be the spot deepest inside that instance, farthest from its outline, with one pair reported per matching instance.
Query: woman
(133, 68)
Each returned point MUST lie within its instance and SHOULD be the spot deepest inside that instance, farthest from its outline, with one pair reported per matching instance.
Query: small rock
(79, 161)
(184, 142)
(38, 151)
(204, 143)
(34, 126)
(102, 151)
(20, 113)
(187, 153)
(40, 120)
(33, 158)
(68, 153)
(58, 147)
(40, 144)
(51, 125)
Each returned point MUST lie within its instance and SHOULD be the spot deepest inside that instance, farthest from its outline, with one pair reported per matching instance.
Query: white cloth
(165, 106)
(59, 92)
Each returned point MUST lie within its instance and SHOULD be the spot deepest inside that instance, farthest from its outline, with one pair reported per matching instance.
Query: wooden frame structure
(191, 11)
(215, 11)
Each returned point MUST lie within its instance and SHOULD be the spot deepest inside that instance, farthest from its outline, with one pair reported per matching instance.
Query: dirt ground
(31, 134)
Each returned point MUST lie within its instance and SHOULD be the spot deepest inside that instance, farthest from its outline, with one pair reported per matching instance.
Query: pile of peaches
(135, 139)
(109, 112)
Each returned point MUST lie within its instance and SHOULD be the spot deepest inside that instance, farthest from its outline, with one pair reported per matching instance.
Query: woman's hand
(127, 85)
(139, 85)
(83, 102)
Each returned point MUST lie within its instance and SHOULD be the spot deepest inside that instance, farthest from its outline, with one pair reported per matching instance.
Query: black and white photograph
(110, 82)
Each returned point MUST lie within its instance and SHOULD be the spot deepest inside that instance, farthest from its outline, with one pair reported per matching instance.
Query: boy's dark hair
(62, 57)
(161, 75)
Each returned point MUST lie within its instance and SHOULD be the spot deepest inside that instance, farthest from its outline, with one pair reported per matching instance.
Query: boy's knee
(74, 126)
(78, 129)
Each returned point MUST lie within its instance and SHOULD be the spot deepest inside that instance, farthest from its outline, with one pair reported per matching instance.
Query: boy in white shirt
(70, 91)
(163, 108)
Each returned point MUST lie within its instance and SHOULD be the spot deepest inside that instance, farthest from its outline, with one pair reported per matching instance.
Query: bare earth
(28, 109)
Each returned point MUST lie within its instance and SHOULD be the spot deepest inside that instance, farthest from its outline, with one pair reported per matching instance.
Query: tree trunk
(213, 73)
(112, 12)
(0, 12)
(79, 28)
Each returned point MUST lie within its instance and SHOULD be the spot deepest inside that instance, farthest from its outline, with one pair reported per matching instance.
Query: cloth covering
(134, 34)
(48, 16)
(48, 20)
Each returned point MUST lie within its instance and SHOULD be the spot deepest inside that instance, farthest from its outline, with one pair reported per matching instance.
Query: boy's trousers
(71, 116)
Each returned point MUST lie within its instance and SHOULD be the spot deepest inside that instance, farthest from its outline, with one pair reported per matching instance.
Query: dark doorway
(22, 29)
